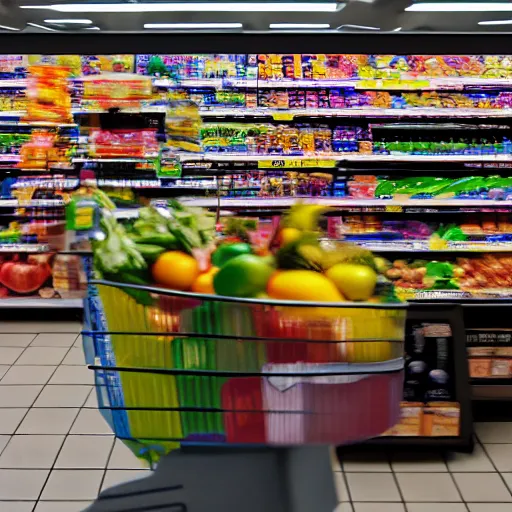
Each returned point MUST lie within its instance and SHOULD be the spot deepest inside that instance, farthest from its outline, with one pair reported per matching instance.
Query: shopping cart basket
(181, 369)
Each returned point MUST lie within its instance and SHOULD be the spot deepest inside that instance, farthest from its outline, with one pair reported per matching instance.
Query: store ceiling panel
(351, 15)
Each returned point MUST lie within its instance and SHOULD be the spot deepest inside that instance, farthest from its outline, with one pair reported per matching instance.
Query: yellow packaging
(441, 419)
(411, 421)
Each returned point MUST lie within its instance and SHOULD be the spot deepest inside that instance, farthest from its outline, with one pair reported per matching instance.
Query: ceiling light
(92, 28)
(497, 22)
(460, 7)
(397, 29)
(5, 27)
(192, 26)
(42, 27)
(358, 27)
(71, 22)
(311, 26)
(193, 6)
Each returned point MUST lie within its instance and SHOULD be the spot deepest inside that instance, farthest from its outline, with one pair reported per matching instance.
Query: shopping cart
(233, 394)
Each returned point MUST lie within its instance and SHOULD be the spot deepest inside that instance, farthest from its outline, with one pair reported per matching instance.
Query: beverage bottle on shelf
(507, 146)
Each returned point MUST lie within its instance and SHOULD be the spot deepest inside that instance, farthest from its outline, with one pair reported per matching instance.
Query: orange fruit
(176, 270)
(204, 282)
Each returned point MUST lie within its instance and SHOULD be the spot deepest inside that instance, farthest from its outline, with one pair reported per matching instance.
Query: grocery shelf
(37, 303)
(26, 248)
(340, 157)
(113, 160)
(415, 247)
(280, 202)
(10, 158)
(491, 391)
(12, 113)
(405, 84)
(33, 203)
(13, 83)
(357, 112)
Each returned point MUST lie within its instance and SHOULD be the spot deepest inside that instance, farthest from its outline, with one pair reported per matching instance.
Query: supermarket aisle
(56, 451)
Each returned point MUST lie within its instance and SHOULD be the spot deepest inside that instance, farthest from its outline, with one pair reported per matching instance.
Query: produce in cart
(255, 343)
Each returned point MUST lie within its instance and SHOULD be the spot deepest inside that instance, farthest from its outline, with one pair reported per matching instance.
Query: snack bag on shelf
(48, 94)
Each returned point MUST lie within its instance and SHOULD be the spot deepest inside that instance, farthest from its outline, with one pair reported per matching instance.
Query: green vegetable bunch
(192, 227)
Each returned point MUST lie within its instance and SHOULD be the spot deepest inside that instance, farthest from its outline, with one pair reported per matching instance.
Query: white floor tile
(28, 375)
(488, 507)
(498, 432)
(90, 421)
(21, 484)
(75, 357)
(61, 506)
(8, 355)
(418, 463)
(18, 396)
(54, 339)
(123, 458)
(17, 506)
(501, 455)
(436, 507)
(73, 375)
(341, 487)
(3, 442)
(42, 356)
(48, 421)
(4, 369)
(38, 327)
(482, 487)
(379, 507)
(344, 507)
(63, 396)
(31, 452)
(10, 419)
(366, 463)
(378, 487)
(73, 484)
(16, 340)
(508, 479)
(118, 476)
(470, 462)
(85, 452)
(428, 487)
(92, 400)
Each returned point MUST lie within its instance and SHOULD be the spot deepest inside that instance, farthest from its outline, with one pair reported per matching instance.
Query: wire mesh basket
(174, 368)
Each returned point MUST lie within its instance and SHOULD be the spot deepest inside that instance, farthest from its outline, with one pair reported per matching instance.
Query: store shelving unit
(200, 174)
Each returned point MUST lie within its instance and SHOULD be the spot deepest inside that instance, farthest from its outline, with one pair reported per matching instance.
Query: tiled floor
(57, 452)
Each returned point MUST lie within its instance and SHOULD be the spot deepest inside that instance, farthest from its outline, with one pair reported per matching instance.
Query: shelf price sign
(310, 163)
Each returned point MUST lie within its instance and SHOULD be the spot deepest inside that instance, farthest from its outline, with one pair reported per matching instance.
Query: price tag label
(310, 163)
(394, 208)
(283, 116)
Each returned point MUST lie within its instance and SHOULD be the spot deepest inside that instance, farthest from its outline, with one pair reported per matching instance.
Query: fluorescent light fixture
(5, 27)
(496, 22)
(193, 6)
(460, 7)
(92, 28)
(42, 27)
(306, 26)
(397, 29)
(70, 22)
(358, 27)
(192, 26)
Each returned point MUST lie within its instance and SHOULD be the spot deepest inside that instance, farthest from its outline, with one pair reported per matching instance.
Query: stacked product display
(407, 153)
